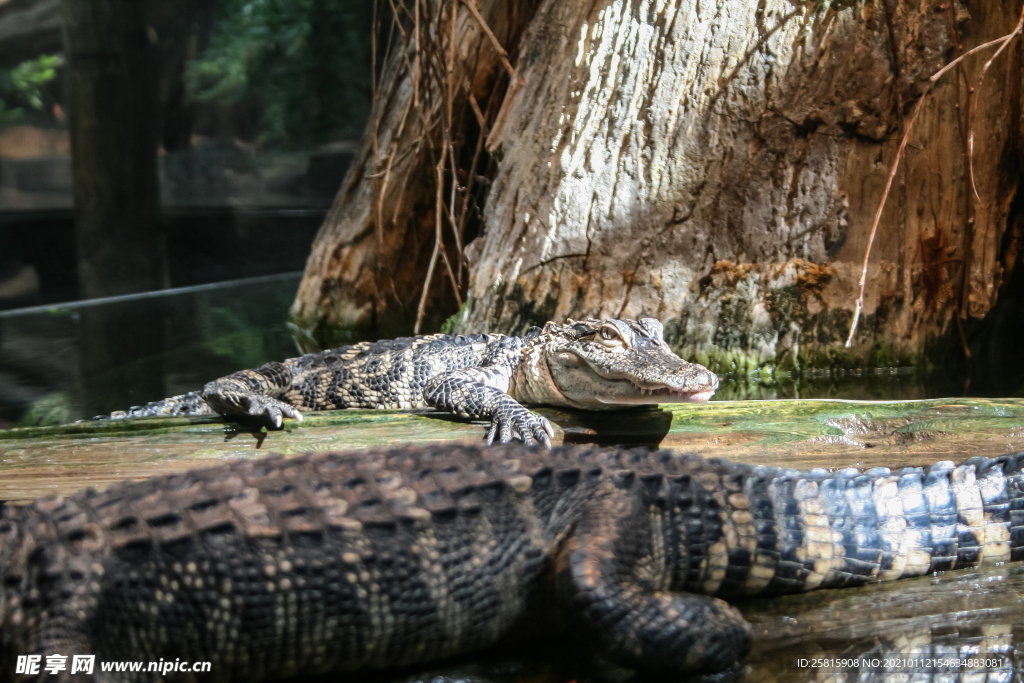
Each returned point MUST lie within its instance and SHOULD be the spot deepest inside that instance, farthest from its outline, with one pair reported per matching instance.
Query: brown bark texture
(718, 164)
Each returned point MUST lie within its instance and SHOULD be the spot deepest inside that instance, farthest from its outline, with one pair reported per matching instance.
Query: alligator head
(597, 364)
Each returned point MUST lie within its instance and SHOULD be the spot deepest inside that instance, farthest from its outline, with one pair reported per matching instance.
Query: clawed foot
(253, 405)
(513, 421)
(271, 409)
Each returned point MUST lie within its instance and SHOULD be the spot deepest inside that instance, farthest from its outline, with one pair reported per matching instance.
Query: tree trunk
(718, 165)
(115, 122)
(114, 125)
(367, 269)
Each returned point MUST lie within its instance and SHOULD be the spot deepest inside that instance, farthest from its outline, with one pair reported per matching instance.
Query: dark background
(247, 115)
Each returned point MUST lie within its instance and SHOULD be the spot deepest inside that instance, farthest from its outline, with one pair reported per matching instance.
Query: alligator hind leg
(607, 579)
(253, 393)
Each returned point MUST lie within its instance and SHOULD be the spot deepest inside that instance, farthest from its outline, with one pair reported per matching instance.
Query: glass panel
(66, 363)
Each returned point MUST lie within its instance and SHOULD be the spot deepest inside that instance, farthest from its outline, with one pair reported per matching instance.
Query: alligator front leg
(613, 583)
(253, 393)
(482, 393)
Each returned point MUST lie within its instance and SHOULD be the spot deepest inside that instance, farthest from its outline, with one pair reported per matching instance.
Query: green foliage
(22, 86)
(304, 63)
(52, 409)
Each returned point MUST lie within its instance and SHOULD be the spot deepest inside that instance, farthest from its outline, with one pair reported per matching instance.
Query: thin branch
(401, 192)
(438, 80)
(974, 94)
(451, 125)
(373, 54)
(450, 73)
(416, 71)
(451, 202)
(494, 41)
(482, 118)
(472, 172)
(425, 114)
(380, 197)
(451, 70)
(977, 93)
(437, 244)
(964, 126)
(405, 10)
(451, 276)
(475, 105)
(376, 122)
(899, 154)
(405, 46)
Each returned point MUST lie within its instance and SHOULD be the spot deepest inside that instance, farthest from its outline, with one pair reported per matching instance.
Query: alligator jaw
(648, 395)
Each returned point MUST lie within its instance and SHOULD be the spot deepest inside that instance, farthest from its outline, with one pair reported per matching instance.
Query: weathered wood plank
(36, 461)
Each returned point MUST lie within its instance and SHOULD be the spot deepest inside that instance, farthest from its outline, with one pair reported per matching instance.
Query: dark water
(63, 363)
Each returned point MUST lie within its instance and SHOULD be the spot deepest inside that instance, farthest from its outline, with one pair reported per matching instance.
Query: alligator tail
(823, 529)
(191, 403)
(945, 516)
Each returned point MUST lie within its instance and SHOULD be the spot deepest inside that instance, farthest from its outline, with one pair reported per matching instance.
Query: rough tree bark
(718, 164)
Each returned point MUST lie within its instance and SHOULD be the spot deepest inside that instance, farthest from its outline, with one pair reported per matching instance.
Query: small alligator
(591, 364)
(331, 562)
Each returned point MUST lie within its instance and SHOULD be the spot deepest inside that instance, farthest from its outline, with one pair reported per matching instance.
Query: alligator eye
(608, 333)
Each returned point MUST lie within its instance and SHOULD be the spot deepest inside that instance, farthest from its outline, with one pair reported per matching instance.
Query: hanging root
(1002, 42)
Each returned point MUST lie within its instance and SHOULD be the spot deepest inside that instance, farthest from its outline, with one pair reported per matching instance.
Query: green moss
(783, 304)
(456, 323)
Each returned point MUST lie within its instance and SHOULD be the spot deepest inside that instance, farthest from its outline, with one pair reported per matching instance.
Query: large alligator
(591, 364)
(326, 562)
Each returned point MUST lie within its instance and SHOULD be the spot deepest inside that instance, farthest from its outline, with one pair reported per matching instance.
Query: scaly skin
(340, 562)
(592, 364)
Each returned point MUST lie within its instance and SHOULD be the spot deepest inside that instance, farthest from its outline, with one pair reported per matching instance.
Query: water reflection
(889, 384)
(916, 631)
(953, 626)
